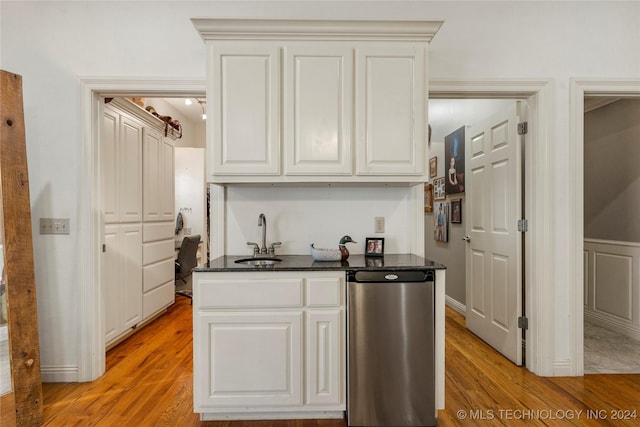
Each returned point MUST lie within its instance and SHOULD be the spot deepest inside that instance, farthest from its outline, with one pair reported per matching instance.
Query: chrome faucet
(262, 222)
(257, 250)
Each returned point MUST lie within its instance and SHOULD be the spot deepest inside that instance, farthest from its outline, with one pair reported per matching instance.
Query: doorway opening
(538, 252)
(483, 121)
(148, 146)
(91, 356)
(611, 235)
(580, 90)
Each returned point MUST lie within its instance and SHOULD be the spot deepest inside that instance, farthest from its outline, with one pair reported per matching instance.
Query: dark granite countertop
(389, 262)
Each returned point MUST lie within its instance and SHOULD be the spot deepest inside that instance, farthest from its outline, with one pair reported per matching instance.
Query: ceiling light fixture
(202, 103)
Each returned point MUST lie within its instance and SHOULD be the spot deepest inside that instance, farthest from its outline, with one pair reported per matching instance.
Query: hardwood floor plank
(149, 383)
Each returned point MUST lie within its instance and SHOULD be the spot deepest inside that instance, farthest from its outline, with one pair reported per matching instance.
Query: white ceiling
(192, 112)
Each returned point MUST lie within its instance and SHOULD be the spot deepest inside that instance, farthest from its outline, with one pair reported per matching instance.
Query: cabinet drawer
(250, 293)
(157, 251)
(158, 231)
(157, 274)
(157, 299)
(324, 292)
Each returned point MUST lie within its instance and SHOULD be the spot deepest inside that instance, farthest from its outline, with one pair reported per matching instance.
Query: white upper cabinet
(390, 109)
(316, 101)
(318, 109)
(121, 156)
(244, 96)
(158, 181)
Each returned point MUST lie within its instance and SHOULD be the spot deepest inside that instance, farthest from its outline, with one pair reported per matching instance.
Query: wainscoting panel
(612, 285)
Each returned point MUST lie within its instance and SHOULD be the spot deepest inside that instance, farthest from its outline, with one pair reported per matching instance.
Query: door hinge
(523, 128)
(523, 225)
(104, 247)
(523, 323)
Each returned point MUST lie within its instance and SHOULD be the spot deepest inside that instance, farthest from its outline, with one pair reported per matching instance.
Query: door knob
(466, 238)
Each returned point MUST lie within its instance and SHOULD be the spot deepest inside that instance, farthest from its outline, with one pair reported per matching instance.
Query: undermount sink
(258, 261)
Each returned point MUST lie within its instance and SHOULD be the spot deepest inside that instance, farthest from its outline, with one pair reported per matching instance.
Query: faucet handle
(256, 248)
(272, 249)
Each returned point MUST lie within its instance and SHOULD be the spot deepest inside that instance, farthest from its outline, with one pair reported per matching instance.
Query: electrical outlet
(379, 224)
(54, 226)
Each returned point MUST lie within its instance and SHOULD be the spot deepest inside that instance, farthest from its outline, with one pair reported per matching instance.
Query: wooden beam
(22, 316)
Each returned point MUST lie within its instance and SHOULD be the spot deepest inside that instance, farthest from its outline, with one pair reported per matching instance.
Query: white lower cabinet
(269, 343)
(122, 279)
(255, 358)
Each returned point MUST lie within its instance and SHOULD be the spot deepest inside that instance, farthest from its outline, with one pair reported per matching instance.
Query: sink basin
(258, 261)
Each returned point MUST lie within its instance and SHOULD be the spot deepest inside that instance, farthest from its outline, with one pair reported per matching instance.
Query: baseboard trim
(562, 368)
(612, 323)
(208, 416)
(59, 374)
(455, 305)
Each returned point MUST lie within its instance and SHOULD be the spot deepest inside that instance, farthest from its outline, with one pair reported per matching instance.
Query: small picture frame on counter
(374, 246)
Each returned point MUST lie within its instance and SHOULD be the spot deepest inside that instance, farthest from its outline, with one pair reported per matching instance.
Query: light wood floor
(149, 383)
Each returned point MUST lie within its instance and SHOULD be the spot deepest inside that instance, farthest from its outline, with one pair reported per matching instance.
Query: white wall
(190, 193)
(299, 216)
(612, 172)
(52, 43)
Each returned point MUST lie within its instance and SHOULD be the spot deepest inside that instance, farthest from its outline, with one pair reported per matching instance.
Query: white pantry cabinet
(269, 343)
(137, 188)
(122, 266)
(347, 105)
(121, 156)
(158, 176)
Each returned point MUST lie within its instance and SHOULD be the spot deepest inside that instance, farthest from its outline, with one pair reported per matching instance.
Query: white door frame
(538, 196)
(579, 89)
(539, 257)
(91, 344)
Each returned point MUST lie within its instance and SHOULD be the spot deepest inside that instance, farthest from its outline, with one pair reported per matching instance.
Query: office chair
(186, 262)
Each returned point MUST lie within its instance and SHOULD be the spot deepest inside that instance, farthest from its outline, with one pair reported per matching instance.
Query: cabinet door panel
(390, 110)
(325, 342)
(131, 265)
(122, 266)
(130, 170)
(253, 359)
(167, 198)
(317, 110)
(246, 112)
(111, 283)
(109, 137)
(152, 168)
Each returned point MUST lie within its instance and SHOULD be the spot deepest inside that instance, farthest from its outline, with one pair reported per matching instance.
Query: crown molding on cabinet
(301, 29)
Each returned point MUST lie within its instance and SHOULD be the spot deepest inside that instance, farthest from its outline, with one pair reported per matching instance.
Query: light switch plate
(379, 224)
(54, 226)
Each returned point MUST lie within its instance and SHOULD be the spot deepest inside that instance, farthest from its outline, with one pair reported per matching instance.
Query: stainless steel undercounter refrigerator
(391, 368)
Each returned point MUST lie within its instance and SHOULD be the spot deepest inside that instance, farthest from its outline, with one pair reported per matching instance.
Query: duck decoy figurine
(344, 252)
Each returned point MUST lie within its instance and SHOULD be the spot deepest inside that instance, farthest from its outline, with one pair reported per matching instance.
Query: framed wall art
(438, 189)
(456, 211)
(441, 221)
(428, 198)
(454, 161)
(433, 167)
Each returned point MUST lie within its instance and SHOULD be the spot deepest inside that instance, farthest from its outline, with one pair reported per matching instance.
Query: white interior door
(494, 249)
